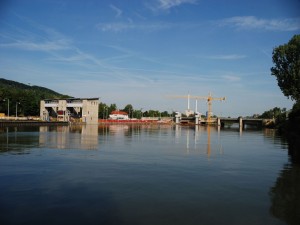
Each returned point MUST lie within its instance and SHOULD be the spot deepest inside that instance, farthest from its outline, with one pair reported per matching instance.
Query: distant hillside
(25, 96)
(13, 84)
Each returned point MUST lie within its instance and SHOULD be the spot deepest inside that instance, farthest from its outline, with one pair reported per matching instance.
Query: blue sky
(141, 51)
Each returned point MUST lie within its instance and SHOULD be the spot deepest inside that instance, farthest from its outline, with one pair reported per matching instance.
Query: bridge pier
(241, 125)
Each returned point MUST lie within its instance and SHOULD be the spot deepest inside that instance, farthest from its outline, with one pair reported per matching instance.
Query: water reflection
(285, 194)
(69, 137)
(17, 139)
(146, 174)
(192, 138)
(198, 138)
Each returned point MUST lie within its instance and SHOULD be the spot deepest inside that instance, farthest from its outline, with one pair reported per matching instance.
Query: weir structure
(242, 122)
(83, 110)
(221, 121)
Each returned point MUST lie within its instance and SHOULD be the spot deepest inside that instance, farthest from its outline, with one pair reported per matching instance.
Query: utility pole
(17, 103)
(7, 107)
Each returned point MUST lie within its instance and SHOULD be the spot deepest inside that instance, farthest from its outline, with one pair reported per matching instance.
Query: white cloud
(167, 4)
(252, 22)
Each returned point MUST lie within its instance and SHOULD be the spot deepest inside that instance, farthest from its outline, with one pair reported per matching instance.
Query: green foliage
(102, 110)
(287, 67)
(25, 97)
(294, 118)
(273, 113)
(280, 116)
(129, 109)
(105, 110)
(287, 71)
(137, 114)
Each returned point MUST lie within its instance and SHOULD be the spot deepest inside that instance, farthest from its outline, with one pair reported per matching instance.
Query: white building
(118, 115)
(71, 109)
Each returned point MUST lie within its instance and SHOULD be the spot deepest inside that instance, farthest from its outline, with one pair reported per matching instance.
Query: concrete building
(72, 109)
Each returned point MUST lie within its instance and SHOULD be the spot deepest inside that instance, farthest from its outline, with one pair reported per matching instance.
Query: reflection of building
(72, 109)
(89, 137)
(69, 137)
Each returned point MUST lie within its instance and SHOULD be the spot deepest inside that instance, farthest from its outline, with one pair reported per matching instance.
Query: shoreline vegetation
(286, 69)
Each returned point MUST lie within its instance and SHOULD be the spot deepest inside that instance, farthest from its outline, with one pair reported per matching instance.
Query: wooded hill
(26, 97)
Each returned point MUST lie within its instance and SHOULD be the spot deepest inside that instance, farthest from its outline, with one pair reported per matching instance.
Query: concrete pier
(244, 121)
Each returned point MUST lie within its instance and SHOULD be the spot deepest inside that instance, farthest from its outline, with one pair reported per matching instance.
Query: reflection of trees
(17, 139)
(285, 195)
(294, 148)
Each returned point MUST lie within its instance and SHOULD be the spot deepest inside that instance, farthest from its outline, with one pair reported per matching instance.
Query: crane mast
(208, 98)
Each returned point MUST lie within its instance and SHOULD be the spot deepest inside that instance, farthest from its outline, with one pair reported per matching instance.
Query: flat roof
(70, 99)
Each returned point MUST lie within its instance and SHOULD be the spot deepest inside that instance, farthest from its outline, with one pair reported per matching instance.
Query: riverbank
(17, 123)
(134, 121)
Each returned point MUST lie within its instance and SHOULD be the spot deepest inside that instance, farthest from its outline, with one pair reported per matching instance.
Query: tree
(111, 108)
(129, 109)
(102, 111)
(273, 113)
(287, 67)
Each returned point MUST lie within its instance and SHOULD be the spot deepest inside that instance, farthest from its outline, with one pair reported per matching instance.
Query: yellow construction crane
(208, 98)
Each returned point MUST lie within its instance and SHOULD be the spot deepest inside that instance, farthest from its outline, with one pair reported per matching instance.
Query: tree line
(105, 110)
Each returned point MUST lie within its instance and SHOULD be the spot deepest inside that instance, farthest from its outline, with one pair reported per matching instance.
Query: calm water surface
(121, 174)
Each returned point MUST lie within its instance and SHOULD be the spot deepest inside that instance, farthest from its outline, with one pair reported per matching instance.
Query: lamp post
(104, 112)
(7, 107)
(17, 103)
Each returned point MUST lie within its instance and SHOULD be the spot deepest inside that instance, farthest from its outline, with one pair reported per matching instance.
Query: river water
(146, 174)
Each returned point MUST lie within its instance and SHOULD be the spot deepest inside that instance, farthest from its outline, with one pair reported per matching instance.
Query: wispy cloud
(168, 4)
(252, 22)
(39, 38)
(226, 57)
(54, 44)
(38, 46)
(231, 78)
(116, 10)
(124, 26)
